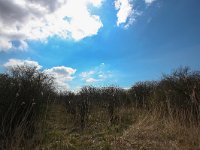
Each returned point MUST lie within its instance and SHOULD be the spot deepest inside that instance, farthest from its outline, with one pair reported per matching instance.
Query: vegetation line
(162, 114)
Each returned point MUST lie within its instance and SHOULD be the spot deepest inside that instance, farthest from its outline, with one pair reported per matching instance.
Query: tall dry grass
(24, 94)
(162, 114)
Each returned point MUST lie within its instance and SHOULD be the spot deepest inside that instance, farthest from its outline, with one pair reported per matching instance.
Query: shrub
(24, 92)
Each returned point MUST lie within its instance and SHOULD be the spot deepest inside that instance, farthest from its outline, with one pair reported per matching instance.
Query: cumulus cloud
(125, 12)
(25, 20)
(97, 74)
(19, 62)
(62, 76)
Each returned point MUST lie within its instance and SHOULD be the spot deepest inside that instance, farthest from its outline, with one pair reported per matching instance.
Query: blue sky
(101, 42)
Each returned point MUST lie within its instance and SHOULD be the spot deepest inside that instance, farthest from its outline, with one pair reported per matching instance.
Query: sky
(100, 42)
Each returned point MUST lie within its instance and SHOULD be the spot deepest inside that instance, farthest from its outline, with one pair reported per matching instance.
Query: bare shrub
(24, 92)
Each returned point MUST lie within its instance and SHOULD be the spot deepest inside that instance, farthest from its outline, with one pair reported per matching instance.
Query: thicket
(24, 94)
(175, 96)
(26, 91)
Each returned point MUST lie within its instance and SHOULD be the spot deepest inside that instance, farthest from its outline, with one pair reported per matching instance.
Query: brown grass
(150, 131)
(135, 129)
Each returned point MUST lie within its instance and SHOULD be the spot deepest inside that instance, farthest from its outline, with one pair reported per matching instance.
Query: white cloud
(25, 20)
(23, 45)
(149, 1)
(62, 76)
(96, 3)
(87, 74)
(19, 62)
(99, 73)
(125, 11)
(91, 80)
(5, 44)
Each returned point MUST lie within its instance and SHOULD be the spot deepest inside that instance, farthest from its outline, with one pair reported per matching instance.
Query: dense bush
(142, 93)
(176, 95)
(24, 92)
(89, 99)
(181, 93)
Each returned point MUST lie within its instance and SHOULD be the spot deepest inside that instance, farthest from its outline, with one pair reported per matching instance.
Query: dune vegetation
(162, 114)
